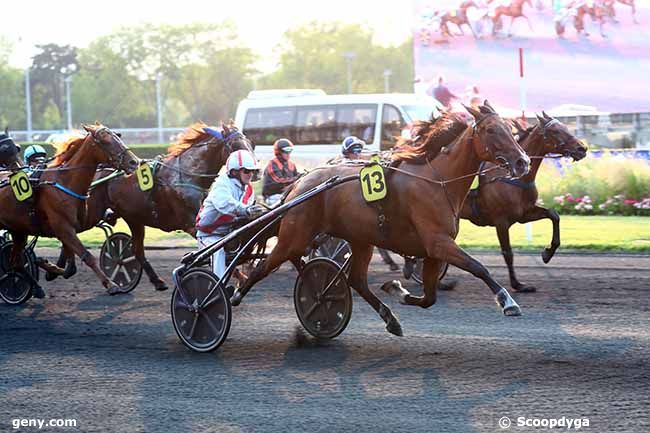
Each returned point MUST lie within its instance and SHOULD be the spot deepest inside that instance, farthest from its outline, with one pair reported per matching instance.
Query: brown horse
(596, 10)
(514, 10)
(419, 216)
(500, 202)
(181, 181)
(8, 152)
(457, 17)
(58, 204)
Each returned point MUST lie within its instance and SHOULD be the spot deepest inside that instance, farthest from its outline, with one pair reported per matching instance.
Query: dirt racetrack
(114, 364)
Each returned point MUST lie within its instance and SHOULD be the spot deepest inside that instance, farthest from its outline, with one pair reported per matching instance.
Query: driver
(231, 196)
(35, 155)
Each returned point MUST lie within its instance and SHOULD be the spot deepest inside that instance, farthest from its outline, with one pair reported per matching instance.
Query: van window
(391, 126)
(357, 120)
(316, 124)
(265, 125)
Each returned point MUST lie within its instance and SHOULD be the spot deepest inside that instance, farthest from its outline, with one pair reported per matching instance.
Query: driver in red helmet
(279, 172)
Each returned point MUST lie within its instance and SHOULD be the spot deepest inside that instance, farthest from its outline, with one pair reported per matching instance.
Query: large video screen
(591, 54)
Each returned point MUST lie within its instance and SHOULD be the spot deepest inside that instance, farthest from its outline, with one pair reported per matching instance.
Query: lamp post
(387, 74)
(349, 56)
(67, 80)
(159, 108)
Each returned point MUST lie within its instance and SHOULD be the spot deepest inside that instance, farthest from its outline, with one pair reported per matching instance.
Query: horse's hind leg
(70, 265)
(503, 232)
(291, 246)
(358, 280)
(137, 233)
(430, 273)
(385, 256)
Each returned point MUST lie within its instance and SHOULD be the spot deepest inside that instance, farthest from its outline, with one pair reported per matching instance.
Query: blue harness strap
(69, 191)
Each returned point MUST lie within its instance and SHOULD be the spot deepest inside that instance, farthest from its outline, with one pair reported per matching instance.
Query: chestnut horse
(8, 151)
(458, 17)
(419, 217)
(514, 10)
(58, 205)
(182, 179)
(500, 202)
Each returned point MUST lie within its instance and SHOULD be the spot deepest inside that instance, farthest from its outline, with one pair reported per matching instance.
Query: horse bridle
(119, 158)
(559, 144)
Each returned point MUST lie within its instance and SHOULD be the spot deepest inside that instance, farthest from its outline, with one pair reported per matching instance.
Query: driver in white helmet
(231, 196)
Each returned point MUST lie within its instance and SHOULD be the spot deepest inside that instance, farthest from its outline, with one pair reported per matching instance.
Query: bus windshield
(419, 112)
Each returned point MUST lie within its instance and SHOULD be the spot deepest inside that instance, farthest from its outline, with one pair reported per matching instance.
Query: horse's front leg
(538, 213)
(503, 232)
(430, 277)
(137, 235)
(446, 250)
(68, 237)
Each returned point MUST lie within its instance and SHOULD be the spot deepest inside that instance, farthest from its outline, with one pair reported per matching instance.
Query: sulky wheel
(322, 298)
(119, 263)
(333, 248)
(417, 272)
(205, 327)
(15, 288)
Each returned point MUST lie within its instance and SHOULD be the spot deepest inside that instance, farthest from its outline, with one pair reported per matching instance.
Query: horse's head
(111, 149)
(558, 139)
(8, 149)
(493, 141)
(231, 140)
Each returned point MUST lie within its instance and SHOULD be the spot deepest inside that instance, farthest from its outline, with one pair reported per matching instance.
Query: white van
(317, 123)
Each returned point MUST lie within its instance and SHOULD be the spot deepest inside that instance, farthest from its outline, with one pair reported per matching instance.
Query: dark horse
(514, 10)
(426, 189)
(500, 201)
(9, 151)
(58, 204)
(458, 17)
(182, 179)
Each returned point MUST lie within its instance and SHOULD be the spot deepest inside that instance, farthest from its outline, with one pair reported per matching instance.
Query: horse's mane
(67, 150)
(433, 135)
(194, 134)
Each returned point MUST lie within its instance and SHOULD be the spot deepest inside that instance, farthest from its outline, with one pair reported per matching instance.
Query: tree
(312, 56)
(49, 68)
(12, 97)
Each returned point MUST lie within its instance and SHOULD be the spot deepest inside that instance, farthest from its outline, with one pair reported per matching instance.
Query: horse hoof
(161, 286)
(525, 289)
(395, 288)
(236, 298)
(114, 290)
(394, 327)
(50, 276)
(512, 310)
(547, 255)
(70, 273)
(447, 286)
(38, 292)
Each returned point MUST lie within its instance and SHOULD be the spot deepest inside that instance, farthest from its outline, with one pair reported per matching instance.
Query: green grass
(598, 233)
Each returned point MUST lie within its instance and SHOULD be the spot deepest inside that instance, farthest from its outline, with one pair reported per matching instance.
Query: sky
(261, 23)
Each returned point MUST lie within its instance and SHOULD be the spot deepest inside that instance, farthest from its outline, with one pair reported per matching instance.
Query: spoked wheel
(15, 288)
(333, 248)
(417, 272)
(322, 298)
(119, 263)
(205, 327)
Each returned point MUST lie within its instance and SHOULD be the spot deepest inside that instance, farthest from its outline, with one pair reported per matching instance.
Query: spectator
(442, 93)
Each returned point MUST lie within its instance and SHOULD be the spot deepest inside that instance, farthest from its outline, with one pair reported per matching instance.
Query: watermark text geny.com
(17, 423)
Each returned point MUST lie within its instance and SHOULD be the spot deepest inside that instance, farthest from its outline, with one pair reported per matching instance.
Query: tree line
(203, 69)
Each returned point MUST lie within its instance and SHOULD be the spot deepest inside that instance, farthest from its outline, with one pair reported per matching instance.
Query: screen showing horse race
(577, 54)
